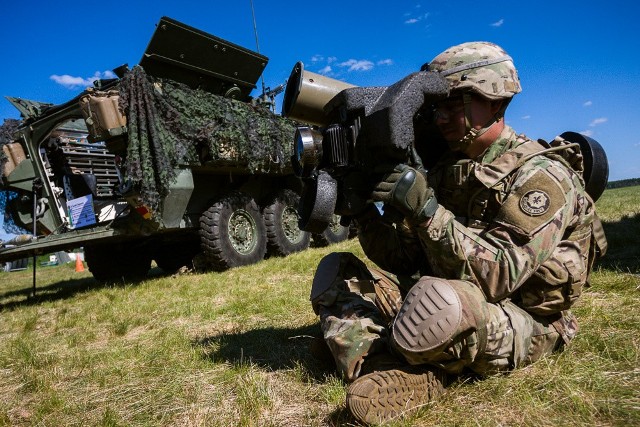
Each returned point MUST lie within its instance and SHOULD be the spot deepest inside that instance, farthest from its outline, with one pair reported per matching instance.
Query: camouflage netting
(9, 225)
(171, 124)
(7, 129)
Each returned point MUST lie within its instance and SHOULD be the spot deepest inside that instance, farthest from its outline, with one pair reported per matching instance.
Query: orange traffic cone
(79, 264)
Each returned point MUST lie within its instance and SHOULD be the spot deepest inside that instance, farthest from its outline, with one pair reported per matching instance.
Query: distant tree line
(623, 183)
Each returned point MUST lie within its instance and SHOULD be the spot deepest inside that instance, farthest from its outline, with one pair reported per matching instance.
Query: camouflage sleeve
(393, 247)
(528, 227)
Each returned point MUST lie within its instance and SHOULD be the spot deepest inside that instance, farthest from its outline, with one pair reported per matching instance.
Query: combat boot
(381, 396)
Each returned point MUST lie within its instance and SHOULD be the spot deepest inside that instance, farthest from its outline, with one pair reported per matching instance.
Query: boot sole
(385, 395)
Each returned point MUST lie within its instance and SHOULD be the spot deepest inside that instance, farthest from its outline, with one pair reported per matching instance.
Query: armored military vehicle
(170, 161)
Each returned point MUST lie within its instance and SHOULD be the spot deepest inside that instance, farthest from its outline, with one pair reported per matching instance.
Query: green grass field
(232, 349)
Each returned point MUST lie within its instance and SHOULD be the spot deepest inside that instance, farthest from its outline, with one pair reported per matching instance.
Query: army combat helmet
(480, 68)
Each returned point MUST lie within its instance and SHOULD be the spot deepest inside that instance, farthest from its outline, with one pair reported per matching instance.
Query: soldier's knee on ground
(338, 268)
(332, 271)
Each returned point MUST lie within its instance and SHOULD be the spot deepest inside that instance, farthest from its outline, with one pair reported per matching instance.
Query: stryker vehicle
(171, 161)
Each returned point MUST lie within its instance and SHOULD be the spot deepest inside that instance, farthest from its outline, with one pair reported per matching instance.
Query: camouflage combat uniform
(511, 243)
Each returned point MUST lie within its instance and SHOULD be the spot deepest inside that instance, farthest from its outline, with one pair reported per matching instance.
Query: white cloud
(71, 82)
(527, 117)
(416, 19)
(357, 65)
(598, 121)
(328, 64)
(498, 23)
(587, 104)
(587, 133)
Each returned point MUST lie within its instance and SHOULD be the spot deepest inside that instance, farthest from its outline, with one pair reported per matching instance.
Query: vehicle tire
(281, 221)
(232, 232)
(119, 262)
(171, 257)
(334, 233)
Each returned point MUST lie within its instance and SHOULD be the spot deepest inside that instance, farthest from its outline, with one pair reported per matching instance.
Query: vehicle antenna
(255, 31)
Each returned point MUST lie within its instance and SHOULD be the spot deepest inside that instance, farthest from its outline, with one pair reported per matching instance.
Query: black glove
(407, 190)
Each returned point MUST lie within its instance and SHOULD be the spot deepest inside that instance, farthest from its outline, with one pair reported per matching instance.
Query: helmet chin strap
(472, 133)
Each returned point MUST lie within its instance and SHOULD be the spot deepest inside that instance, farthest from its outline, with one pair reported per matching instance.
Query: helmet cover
(480, 67)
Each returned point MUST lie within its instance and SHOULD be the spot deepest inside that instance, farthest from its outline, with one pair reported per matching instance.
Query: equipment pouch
(102, 115)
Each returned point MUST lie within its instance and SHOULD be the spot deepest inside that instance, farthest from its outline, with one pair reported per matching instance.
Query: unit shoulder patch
(532, 204)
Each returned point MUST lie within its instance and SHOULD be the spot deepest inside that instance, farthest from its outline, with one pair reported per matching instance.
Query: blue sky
(578, 60)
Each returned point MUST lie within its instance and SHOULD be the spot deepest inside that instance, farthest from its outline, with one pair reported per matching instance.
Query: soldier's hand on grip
(407, 190)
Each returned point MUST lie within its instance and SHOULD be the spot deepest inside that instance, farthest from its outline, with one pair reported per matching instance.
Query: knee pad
(429, 317)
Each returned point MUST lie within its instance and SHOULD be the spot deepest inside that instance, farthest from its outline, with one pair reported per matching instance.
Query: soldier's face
(450, 116)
